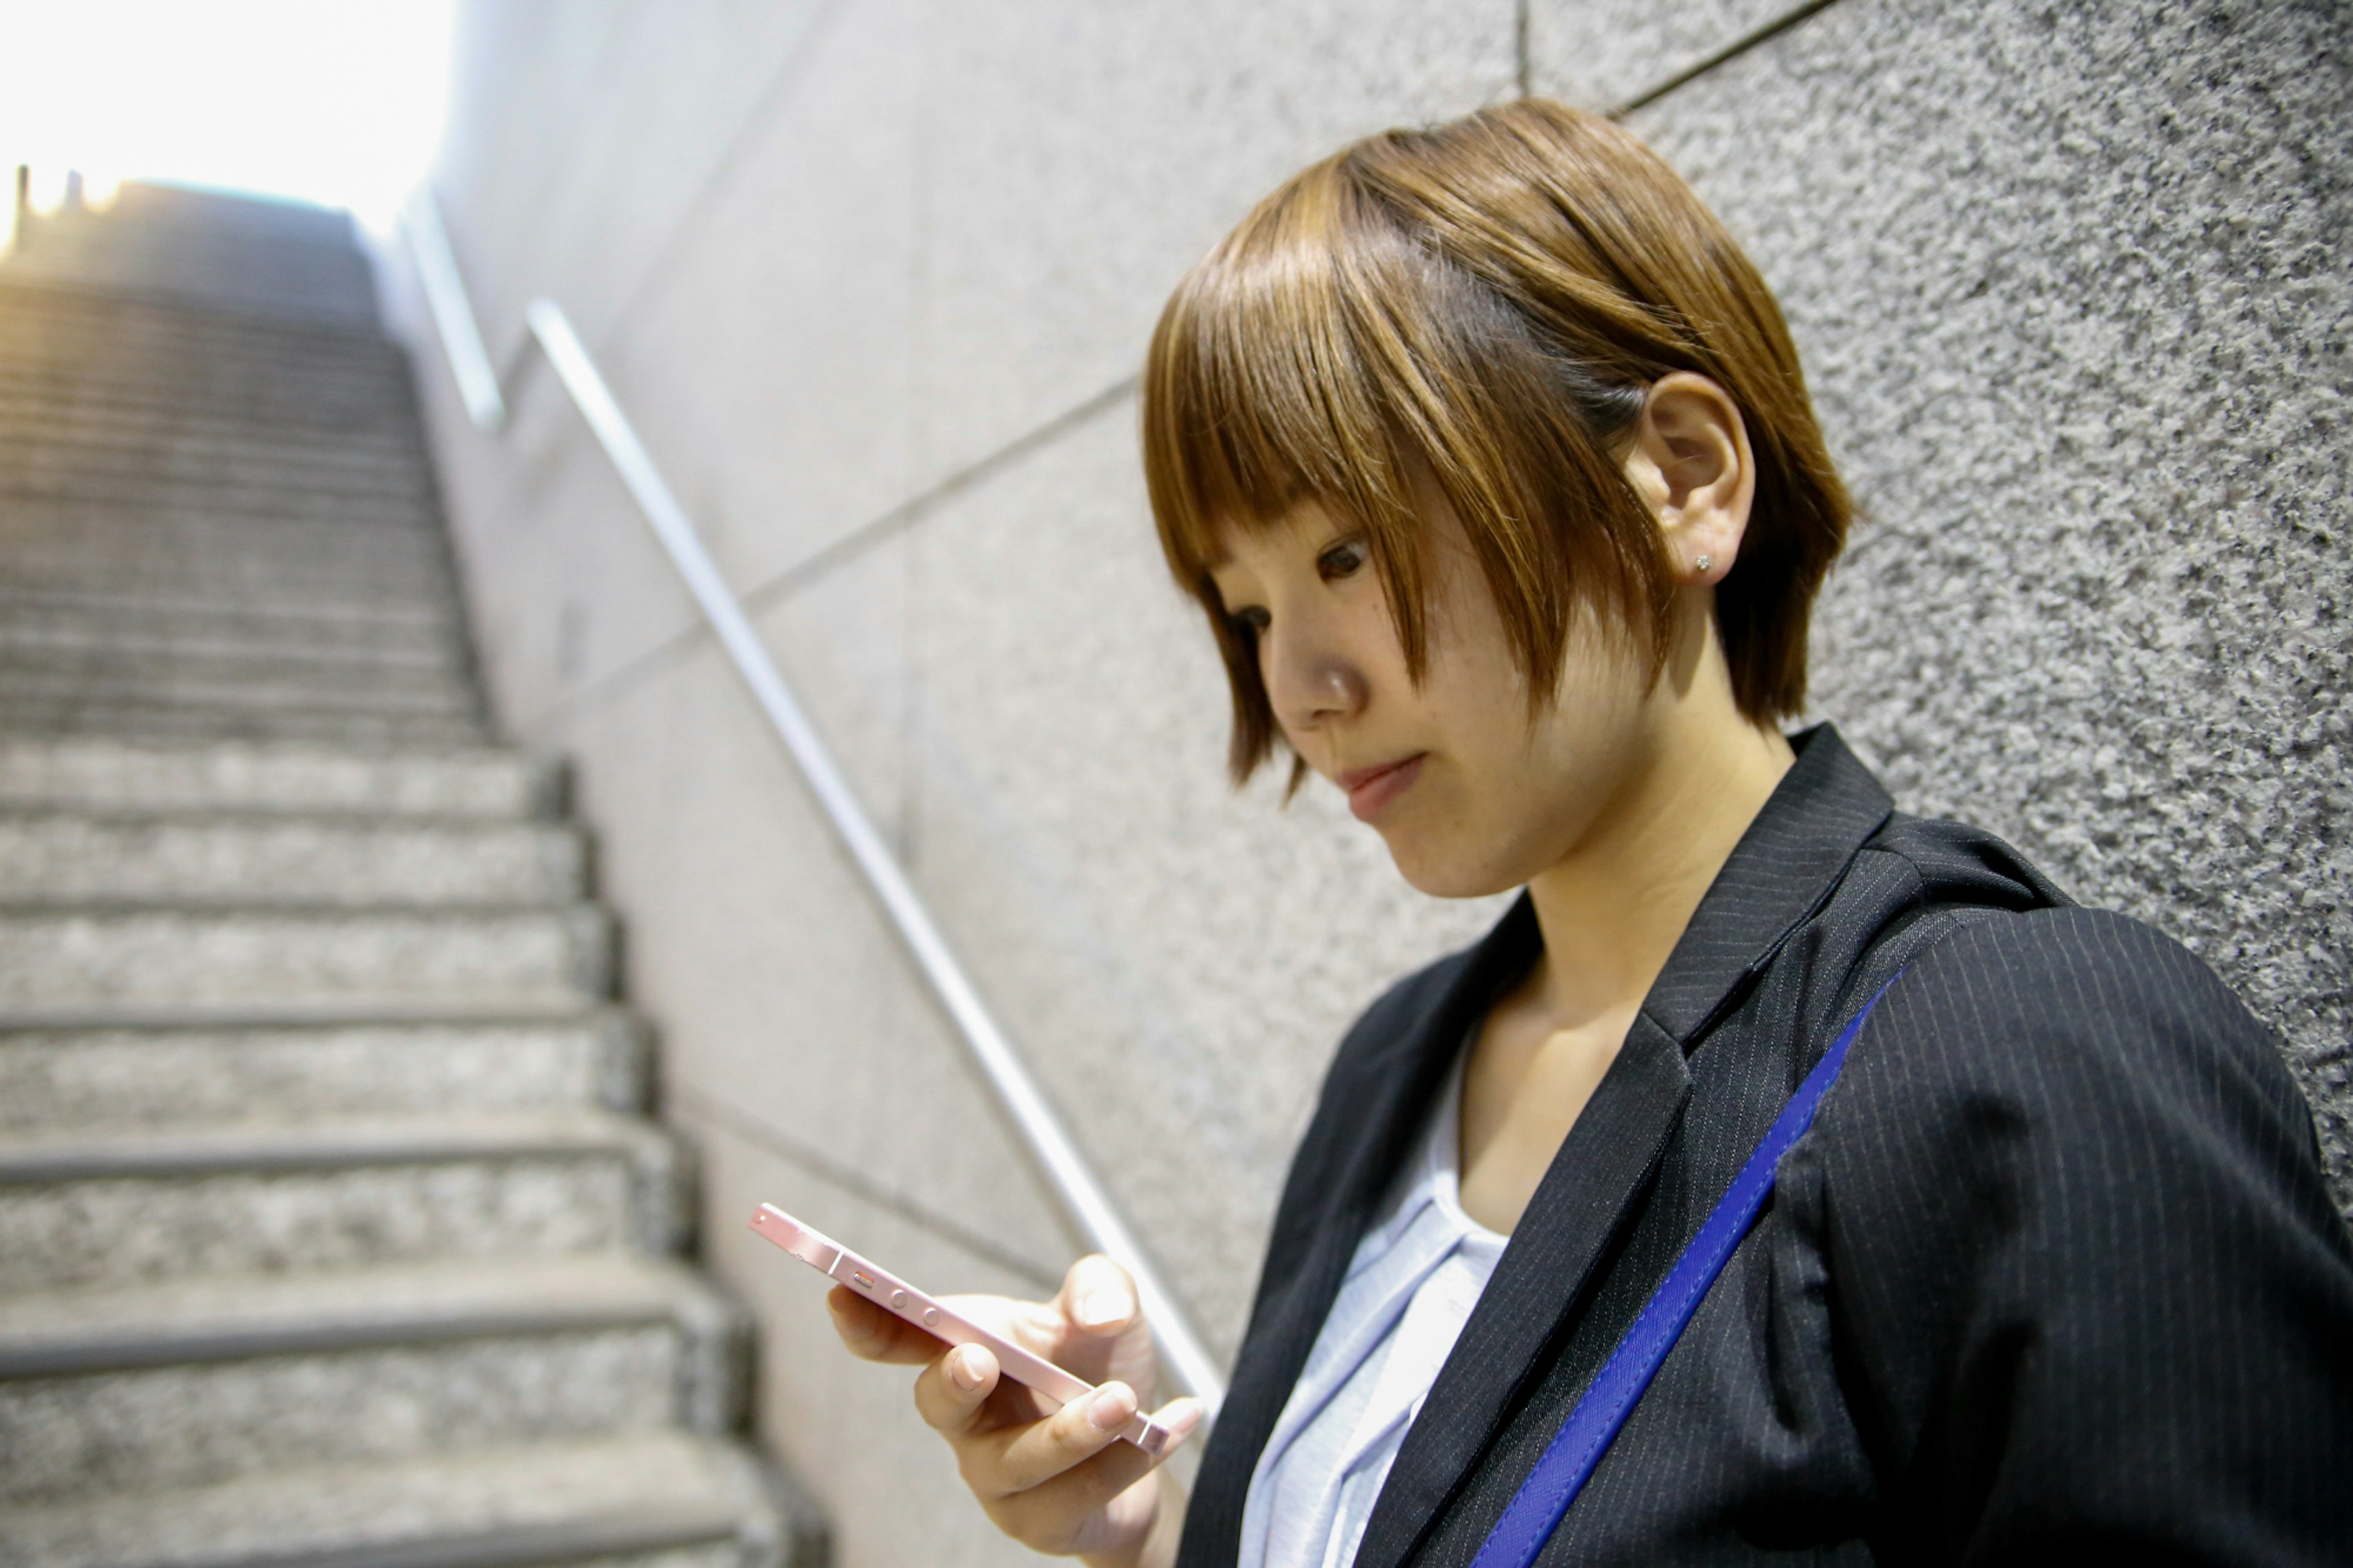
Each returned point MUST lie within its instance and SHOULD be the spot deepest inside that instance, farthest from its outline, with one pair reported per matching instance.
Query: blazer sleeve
(2090, 1292)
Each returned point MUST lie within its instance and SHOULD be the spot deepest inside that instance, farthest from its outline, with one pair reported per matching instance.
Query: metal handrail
(1089, 1208)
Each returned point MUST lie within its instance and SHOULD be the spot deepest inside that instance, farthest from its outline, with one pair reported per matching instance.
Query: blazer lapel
(1592, 1187)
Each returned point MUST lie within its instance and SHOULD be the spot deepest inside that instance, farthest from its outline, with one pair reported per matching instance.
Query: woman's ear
(1691, 462)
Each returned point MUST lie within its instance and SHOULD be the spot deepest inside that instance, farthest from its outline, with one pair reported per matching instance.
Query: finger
(874, 1335)
(1026, 1457)
(1084, 1492)
(1098, 1297)
(1180, 1416)
(953, 1390)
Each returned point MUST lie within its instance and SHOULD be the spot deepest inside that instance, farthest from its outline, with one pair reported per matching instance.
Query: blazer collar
(1785, 867)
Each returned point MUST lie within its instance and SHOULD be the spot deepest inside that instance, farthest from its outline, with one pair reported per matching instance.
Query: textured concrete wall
(873, 276)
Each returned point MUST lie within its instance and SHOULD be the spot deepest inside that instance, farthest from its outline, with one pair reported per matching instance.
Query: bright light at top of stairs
(339, 104)
(45, 188)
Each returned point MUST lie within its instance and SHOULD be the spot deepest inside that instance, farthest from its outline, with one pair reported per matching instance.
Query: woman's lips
(1370, 790)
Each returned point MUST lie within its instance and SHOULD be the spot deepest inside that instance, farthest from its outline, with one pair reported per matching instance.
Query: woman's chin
(1431, 871)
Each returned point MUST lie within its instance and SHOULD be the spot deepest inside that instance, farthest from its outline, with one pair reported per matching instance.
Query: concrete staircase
(332, 1228)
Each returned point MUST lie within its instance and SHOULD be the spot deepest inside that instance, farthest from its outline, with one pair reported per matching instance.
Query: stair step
(82, 415)
(57, 857)
(35, 627)
(109, 1075)
(556, 956)
(203, 1380)
(332, 526)
(222, 676)
(85, 1210)
(326, 585)
(333, 505)
(146, 330)
(49, 429)
(182, 371)
(426, 625)
(323, 283)
(115, 774)
(260, 404)
(51, 321)
(318, 576)
(119, 350)
(40, 458)
(69, 716)
(625, 1501)
(419, 627)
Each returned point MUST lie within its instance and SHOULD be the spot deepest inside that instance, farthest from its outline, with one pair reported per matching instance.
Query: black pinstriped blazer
(2054, 1279)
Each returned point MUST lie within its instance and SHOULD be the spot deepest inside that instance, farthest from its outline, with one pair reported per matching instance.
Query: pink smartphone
(893, 1294)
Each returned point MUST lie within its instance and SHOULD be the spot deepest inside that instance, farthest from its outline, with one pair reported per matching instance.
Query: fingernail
(1101, 1308)
(963, 1368)
(1112, 1406)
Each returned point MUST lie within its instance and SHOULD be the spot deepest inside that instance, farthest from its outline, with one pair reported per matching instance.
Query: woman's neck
(1612, 910)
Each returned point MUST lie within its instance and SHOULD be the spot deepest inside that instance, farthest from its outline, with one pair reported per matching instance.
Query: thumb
(1098, 1297)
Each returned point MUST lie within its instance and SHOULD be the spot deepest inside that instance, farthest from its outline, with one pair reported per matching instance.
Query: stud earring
(1704, 562)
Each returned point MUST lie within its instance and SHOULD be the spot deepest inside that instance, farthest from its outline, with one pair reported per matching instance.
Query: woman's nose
(1311, 684)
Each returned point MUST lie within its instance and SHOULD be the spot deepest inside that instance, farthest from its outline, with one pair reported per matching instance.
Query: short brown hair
(1482, 308)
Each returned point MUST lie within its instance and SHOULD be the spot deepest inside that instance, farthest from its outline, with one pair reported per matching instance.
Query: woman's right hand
(1059, 1481)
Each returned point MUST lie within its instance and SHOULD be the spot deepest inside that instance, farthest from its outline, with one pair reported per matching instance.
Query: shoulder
(2072, 1008)
(2079, 1247)
(2074, 1087)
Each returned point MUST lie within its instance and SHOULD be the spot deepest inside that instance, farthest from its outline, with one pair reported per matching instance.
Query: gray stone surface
(1599, 53)
(413, 641)
(1078, 157)
(57, 856)
(177, 1076)
(238, 686)
(223, 959)
(788, 421)
(637, 1478)
(182, 1425)
(2073, 290)
(213, 713)
(591, 213)
(252, 1203)
(115, 773)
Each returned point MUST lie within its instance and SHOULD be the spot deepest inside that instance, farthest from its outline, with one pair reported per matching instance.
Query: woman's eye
(1250, 618)
(1340, 561)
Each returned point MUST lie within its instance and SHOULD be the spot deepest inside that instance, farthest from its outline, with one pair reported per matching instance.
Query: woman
(1489, 457)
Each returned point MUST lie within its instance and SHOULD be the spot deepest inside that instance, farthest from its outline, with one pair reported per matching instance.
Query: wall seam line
(1724, 56)
(700, 1107)
(781, 584)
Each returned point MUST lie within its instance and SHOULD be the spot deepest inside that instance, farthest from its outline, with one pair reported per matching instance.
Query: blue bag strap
(1570, 1460)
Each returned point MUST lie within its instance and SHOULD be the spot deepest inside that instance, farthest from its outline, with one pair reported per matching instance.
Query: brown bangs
(1472, 314)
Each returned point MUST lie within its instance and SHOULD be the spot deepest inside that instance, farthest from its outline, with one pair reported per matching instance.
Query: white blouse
(1408, 1291)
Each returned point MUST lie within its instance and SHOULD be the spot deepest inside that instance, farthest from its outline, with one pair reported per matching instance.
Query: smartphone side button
(931, 1317)
(898, 1299)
